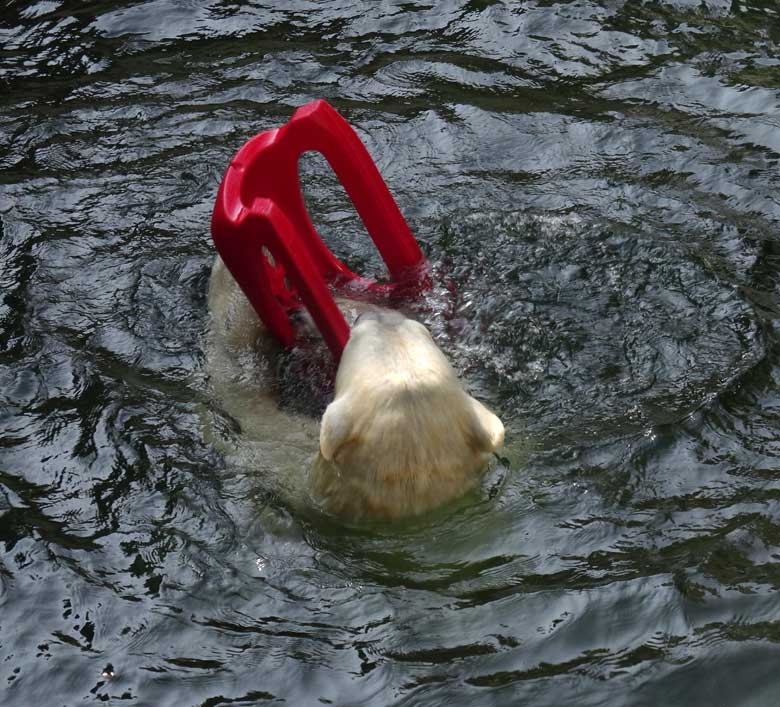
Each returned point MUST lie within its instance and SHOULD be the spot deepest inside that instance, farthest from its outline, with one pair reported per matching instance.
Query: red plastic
(260, 211)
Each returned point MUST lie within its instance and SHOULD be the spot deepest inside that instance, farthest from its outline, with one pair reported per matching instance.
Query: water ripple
(595, 184)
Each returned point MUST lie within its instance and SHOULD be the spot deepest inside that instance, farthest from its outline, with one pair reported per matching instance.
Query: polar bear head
(401, 435)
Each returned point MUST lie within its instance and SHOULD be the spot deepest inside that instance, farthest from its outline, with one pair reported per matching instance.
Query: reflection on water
(596, 184)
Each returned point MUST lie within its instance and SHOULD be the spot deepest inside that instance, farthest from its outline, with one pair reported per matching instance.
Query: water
(598, 183)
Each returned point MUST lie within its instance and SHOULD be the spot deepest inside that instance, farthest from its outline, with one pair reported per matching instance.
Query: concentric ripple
(596, 186)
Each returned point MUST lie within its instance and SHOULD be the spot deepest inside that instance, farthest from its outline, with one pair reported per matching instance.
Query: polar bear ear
(490, 430)
(335, 428)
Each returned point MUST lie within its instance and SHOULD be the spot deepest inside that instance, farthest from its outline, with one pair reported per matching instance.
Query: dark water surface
(599, 180)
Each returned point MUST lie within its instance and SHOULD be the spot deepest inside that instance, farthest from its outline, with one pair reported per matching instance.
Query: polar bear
(401, 435)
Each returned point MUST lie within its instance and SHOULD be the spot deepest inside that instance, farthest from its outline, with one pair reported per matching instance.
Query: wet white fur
(401, 435)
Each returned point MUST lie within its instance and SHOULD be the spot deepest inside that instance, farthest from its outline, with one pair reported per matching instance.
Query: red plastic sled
(260, 211)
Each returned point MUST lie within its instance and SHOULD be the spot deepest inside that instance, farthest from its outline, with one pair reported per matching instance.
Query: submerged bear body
(401, 436)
